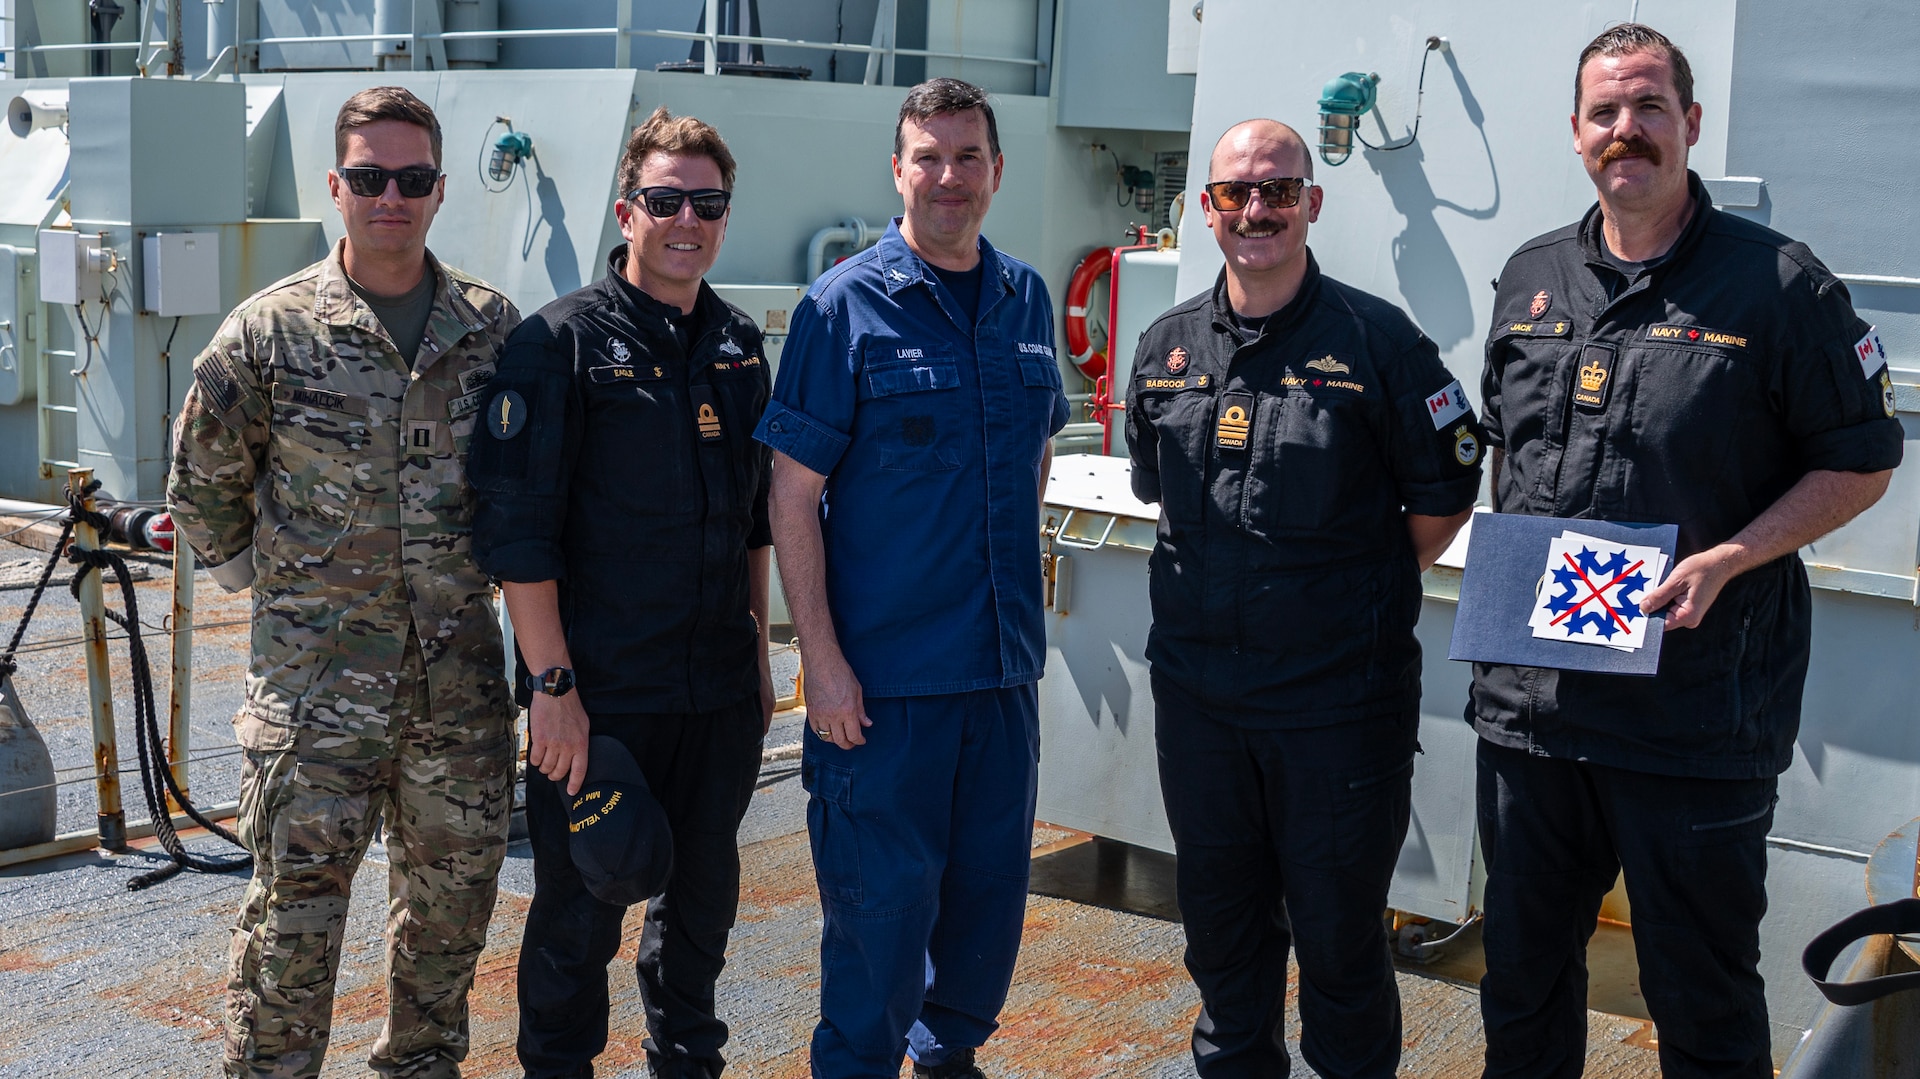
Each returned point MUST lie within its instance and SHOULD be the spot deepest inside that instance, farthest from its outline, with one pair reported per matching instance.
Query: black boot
(958, 1066)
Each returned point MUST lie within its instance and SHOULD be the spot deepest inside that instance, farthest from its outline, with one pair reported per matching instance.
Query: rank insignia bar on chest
(1236, 421)
(422, 437)
(705, 416)
(507, 414)
(1593, 378)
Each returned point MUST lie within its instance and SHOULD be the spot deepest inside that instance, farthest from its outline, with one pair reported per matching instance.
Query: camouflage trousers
(443, 781)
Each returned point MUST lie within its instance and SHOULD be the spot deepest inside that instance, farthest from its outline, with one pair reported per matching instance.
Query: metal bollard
(180, 701)
(93, 617)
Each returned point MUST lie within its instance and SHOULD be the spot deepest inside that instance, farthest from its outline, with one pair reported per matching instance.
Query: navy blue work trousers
(1287, 838)
(921, 843)
(701, 768)
(1555, 834)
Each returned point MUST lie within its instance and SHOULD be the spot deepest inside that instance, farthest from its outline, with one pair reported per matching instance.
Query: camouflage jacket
(309, 447)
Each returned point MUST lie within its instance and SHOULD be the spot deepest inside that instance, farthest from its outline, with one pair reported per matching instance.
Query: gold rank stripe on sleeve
(1555, 328)
(1694, 335)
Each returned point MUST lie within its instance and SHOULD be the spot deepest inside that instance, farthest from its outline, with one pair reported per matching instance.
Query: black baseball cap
(620, 841)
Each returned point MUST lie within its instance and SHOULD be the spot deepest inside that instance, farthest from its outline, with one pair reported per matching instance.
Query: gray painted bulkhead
(811, 154)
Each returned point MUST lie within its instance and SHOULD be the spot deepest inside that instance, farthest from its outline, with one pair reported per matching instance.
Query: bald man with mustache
(1286, 425)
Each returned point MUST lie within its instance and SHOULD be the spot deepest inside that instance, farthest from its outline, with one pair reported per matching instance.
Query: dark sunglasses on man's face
(709, 204)
(370, 182)
(1278, 193)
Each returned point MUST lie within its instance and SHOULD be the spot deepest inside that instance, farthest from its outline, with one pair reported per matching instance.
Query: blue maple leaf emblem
(1622, 595)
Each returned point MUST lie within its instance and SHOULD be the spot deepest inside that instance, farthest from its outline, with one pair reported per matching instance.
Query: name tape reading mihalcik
(1447, 405)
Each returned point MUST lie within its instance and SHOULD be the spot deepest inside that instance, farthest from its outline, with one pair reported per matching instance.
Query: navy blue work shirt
(930, 424)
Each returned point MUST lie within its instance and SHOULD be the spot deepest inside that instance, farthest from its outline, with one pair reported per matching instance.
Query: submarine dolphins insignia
(507, 415)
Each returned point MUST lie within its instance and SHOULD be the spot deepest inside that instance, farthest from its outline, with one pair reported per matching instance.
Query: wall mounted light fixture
(1346, 98)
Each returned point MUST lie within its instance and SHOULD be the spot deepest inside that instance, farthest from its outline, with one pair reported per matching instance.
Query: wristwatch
(554, 681)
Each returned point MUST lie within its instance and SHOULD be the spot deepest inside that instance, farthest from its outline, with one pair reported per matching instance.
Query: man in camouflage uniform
(319, 456)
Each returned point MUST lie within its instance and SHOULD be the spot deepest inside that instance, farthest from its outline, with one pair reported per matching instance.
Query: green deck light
(508, 150)
(1343, 101)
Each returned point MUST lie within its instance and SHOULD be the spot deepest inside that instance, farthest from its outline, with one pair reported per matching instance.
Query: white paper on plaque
(1591, 591)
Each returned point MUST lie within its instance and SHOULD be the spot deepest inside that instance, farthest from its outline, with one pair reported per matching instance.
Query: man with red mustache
(1661, 361)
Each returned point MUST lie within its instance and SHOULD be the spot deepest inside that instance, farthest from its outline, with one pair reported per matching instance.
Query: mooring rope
(156, 776)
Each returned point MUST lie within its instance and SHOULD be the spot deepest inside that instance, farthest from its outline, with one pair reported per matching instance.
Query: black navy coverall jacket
(1284, 584)
(635, 482)
(1695, 394)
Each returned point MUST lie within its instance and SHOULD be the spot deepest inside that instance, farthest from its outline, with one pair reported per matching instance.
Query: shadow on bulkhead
(1429, 273)
(560, 258)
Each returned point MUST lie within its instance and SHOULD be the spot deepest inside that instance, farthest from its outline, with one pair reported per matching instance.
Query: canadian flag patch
(1447, 405)
(1870, 352)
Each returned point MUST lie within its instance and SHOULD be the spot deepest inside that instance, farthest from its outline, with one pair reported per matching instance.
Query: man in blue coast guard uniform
(910, 423)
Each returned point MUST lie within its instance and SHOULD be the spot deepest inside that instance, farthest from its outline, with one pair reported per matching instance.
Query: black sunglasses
(1278, 193)
(709, 204)
(369, 182)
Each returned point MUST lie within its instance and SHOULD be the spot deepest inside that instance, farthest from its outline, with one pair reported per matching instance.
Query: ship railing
(881, 52)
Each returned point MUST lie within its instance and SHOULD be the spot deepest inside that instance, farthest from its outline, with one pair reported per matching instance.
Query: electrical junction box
(16, 355)
(181, 273)
(70, 265)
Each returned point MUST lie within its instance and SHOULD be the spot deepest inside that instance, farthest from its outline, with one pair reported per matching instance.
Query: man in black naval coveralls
(1310, 456)
(1661, 361)
(623, 507)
